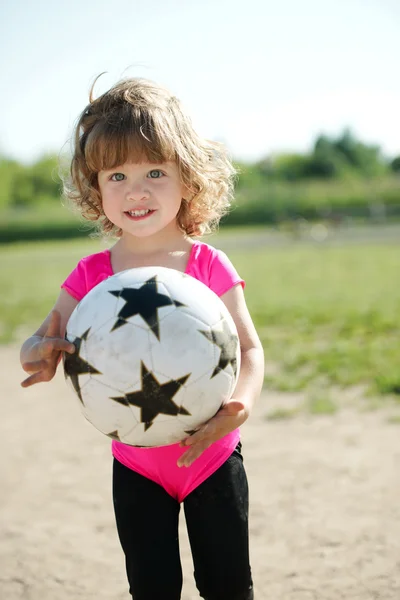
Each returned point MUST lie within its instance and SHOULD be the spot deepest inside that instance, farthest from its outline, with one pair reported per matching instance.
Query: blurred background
(304, 95)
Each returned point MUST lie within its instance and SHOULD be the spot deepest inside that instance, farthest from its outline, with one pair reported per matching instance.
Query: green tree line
(342, 158)
(338, 174)
(27, 186)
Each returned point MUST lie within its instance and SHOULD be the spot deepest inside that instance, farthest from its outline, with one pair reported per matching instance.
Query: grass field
(327, 315)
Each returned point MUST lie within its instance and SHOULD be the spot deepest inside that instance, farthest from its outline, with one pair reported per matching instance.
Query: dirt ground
(325, 502)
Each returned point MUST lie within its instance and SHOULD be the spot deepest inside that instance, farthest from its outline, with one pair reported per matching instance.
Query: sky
(261, 76)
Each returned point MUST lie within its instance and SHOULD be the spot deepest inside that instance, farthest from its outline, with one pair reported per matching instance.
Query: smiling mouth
(139, 214)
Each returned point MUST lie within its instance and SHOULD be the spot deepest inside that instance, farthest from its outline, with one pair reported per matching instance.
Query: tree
(326, 161)
(363, 158)
(10, 171)
(290, 167)
(395, 164)
(37, 183)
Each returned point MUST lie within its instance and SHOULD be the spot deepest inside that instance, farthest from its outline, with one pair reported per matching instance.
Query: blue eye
(117, 177)
(155, 174)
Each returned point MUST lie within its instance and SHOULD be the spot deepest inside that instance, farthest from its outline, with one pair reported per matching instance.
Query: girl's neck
(173, 252)
(167, 241)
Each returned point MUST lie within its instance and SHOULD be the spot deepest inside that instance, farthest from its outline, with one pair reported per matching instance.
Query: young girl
(143, 173)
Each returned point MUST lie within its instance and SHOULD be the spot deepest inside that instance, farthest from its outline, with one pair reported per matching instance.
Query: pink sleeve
(89, 272)
(76, 284)
(222, 274)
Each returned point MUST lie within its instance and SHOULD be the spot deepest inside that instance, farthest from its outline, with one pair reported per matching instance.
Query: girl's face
(142, 198)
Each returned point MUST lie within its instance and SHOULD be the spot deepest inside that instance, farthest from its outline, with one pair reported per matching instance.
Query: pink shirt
(213, 268)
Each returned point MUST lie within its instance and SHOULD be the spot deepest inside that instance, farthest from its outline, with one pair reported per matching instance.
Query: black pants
(216, 515)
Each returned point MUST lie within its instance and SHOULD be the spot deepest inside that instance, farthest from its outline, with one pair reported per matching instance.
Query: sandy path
(325, 503)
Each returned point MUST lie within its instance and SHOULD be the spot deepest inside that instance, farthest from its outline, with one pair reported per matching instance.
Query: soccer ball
(157, 354)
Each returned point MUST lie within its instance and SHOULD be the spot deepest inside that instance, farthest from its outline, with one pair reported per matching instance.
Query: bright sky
(260, 75)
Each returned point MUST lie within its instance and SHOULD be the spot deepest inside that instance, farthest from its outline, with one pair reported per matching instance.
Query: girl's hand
(48, 352)
(228, 418)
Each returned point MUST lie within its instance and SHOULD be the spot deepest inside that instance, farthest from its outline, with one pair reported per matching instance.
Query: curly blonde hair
(138, 120)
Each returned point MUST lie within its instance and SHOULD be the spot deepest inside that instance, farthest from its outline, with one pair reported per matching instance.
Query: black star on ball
(155, 398)
(227, 342)
(75, 365)
(114, 435)
(143, 301)
(191, 432)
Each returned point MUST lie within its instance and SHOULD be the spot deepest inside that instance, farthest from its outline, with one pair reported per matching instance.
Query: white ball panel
(94, 309)
(131, 438)
(197, 299)
(83, 381)
(141, 275)
(182, 349)
(118, 354)
(105, 414)
(159, 434)
(206, 396)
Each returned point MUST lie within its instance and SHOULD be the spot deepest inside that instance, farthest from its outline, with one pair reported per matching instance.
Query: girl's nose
(138, 192)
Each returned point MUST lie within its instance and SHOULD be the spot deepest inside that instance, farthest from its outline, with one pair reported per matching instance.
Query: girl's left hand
(228, 418)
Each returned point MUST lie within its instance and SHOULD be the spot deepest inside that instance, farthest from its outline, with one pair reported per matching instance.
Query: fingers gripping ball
(157, 354)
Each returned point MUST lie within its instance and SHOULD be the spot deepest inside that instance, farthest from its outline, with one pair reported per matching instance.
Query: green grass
(394, 420)
(321, 404)
(327, 316)
(44, 222)
(30, 277)
(282, 414)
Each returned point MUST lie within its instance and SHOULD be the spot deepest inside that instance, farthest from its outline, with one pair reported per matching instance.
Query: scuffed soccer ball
(157, 354)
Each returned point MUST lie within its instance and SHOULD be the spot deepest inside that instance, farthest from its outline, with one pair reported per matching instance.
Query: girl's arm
(251, 376)
(41, 352)
(235, 412)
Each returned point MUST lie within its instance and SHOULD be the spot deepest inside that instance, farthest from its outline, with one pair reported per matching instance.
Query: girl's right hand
(48, 352)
